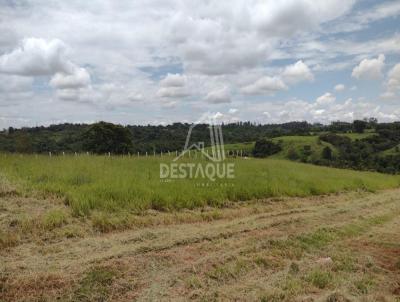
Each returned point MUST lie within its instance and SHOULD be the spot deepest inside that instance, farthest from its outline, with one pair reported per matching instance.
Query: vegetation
(71, 138)
(367, 153)
(340, 247)
(265, 148)
(114, 183)
(104, 137)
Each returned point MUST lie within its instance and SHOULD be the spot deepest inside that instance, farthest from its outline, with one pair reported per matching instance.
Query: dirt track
(298, 249)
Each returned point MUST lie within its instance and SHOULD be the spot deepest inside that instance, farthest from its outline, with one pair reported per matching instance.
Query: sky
(165, 61)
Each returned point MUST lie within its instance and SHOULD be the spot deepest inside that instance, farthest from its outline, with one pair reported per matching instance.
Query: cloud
(68, 94)
(285, 18)
(265, 85)
(300, 110)
(297, 72)
(340, 87)
(78, 79)
(325, 99)
(37, 57)
(196, 48)
(12, 83)
(135, 97)
(369, 69)
(173, 86)
(218, 96)
(173, 80)
(172, 92)
(393, 83)
(14, 89)
(232, 110)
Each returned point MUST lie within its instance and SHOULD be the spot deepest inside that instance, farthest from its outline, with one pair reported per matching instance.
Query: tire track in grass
(207, 243)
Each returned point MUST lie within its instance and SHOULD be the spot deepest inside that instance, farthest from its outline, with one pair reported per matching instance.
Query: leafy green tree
(105, 137)
(359, 126)
(264, 148)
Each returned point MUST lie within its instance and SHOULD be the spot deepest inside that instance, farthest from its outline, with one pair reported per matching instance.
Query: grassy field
(89, 183)
(85, 229)
(334, 248)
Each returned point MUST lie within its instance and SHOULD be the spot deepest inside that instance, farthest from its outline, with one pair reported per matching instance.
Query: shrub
(327, 153)
(264, 148)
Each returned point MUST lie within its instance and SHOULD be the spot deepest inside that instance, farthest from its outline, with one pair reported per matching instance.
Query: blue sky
(158, 62)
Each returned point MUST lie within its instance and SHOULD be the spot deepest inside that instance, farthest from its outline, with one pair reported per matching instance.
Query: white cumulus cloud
(77, 79)
(325, 99)
(36, 57)
(369, 69)
(265, 85)
(297, 72)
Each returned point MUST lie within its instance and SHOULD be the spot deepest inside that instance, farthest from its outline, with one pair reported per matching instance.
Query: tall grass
(122, 183)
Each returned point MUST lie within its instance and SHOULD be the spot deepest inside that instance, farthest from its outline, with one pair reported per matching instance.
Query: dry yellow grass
(293, 249)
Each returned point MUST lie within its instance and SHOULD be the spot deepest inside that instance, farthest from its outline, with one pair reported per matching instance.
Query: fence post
(146, 153)
(109, 154)
(50, 153)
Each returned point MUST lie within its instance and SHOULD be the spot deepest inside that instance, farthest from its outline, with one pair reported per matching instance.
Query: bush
(264, 148)
(327, 153)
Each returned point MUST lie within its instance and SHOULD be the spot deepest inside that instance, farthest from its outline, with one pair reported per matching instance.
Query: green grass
(54, 219)
(392, 151)
(95, 286)
(355, 136)
(297, 143)
(133, 184)
(320, 278)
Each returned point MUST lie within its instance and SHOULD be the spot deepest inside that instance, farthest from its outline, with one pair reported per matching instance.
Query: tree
(327, 153)
(23, 143)
(359, 126)
(105, 137)
(264, 148)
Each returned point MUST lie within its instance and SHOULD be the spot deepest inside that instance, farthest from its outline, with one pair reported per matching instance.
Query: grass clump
(95, 286)
(54, 219)
(364, 285)
(319, 278)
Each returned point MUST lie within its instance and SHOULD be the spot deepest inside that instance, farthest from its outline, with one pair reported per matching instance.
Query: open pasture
(131, 183)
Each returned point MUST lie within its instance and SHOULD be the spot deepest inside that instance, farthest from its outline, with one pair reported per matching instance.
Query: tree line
(362, 154)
